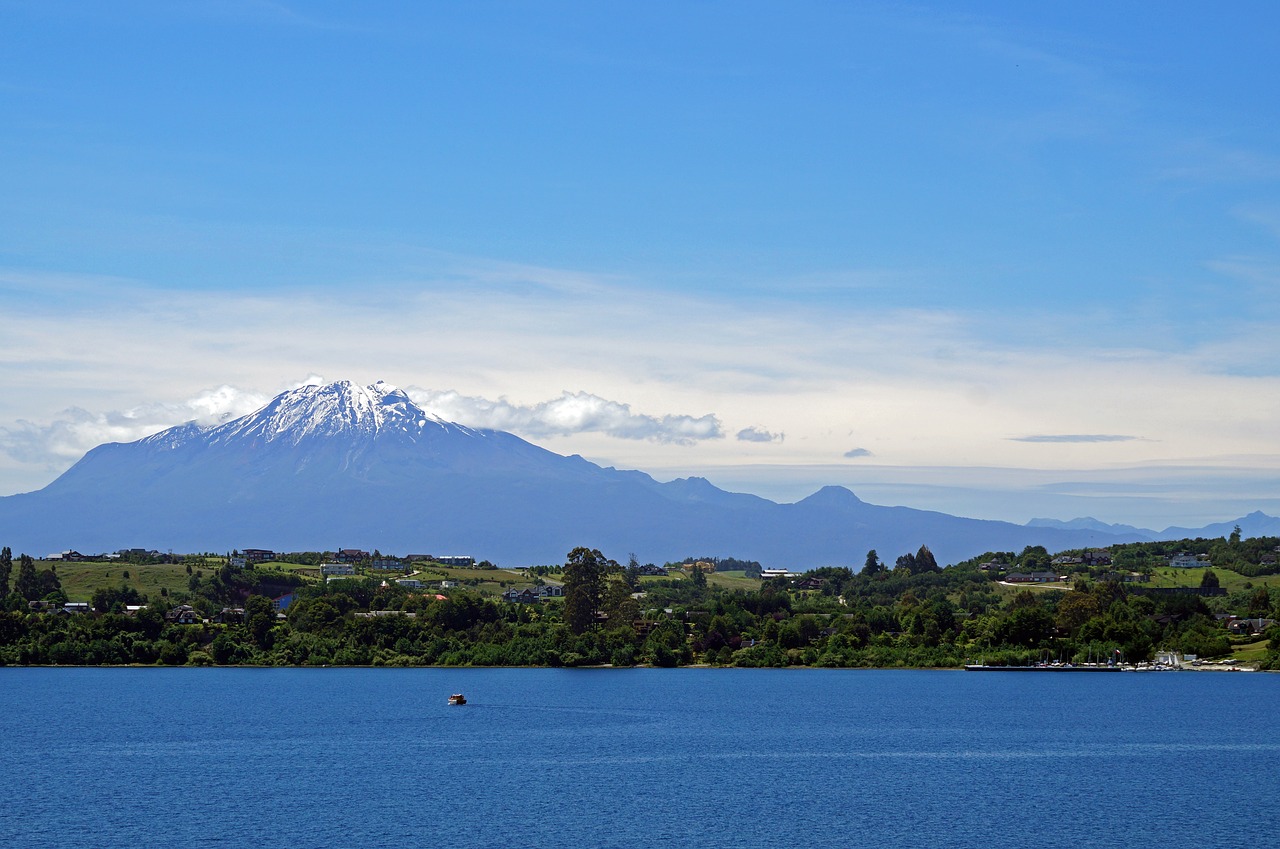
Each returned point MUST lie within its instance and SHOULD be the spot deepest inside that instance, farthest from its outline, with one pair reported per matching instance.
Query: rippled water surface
(621, 758)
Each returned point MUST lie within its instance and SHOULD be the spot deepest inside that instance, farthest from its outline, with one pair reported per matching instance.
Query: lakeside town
(1193, 604)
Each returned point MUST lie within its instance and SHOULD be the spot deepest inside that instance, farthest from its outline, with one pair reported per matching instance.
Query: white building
(337, 569)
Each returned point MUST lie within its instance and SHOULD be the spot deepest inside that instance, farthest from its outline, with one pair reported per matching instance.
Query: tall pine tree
(27, 585)
(873, 564)
(6, 569)
(585, 576)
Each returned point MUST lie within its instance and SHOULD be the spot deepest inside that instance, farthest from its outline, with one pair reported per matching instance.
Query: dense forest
(913, 613)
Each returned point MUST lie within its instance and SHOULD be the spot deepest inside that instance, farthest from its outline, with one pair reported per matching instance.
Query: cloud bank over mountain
(571, 413)
(56, 444)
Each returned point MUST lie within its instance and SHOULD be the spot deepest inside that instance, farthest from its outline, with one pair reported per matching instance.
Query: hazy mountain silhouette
(340, 466)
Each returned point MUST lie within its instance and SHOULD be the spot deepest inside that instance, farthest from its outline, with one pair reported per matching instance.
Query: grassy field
(487, 582)
(724, 580)
(733, 581)
(1010, 589)
(1169, 577)
(1250, 652)
(436, 572)
(80, 580)
(1230, 581)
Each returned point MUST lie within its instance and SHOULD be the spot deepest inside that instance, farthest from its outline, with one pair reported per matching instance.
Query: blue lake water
(629, 758)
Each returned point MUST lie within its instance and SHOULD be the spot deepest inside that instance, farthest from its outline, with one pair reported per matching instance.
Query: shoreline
(610, 667)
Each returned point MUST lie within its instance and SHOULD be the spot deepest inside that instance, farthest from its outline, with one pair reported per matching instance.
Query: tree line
(914, 613)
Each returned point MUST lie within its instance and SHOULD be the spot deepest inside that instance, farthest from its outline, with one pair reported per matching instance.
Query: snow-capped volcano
(344, 465)
(324, 438)
(331, 410)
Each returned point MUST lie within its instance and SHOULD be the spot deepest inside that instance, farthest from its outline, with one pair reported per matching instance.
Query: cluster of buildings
(70, 607)
(360, 556)
(1033, 577)
(72, 556)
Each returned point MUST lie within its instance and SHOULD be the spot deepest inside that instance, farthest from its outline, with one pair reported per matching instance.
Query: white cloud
(758, 434)
(571, 413)
(65, 439)
(309, 380)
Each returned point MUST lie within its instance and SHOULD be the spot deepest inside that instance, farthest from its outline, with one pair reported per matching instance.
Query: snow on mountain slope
(337, 409)
(324, 435)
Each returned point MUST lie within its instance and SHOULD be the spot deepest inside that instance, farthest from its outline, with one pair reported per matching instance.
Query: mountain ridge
(341, 465)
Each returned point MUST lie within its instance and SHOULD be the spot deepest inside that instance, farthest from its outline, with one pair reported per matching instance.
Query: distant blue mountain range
(346, 466)
(1256, 524)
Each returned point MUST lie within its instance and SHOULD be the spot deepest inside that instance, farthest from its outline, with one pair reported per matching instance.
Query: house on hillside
(1245, 627)
(258, 555)
(352, 555)
(1031, 577)
(1186, 561)
(183, 614)
(525, 596)
(230, 616)
(337, 569)
(462, 561)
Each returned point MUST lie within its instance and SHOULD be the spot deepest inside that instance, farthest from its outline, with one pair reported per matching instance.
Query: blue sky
(1000, 259)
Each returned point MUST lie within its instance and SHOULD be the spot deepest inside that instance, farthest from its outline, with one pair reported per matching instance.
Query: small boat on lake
(457, 699)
